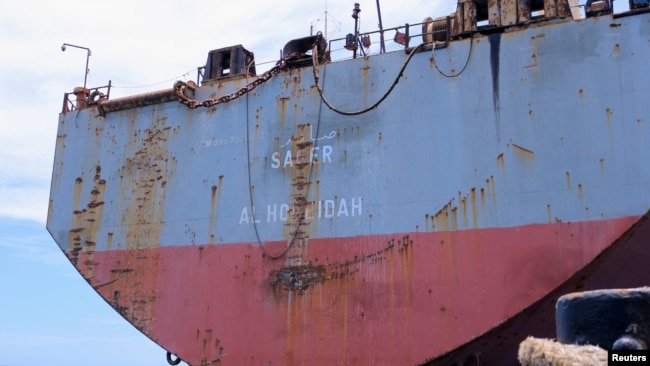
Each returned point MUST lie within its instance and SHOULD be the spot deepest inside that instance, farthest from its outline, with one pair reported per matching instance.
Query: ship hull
(401, 294)
(622, 265)
(273, 230)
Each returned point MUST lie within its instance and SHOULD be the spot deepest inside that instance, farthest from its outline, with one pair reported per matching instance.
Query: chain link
(181, 87)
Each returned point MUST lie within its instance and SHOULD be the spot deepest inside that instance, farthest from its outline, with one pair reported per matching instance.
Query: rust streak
(441, 218)
(214, 199)
(463, 209)
(96, 287)
(109, 241)
(608, 112)
(474, 208)
(580, 191)
(524, 152)
(82, 237)
(297, 226)
(483, 207)
(140, 173)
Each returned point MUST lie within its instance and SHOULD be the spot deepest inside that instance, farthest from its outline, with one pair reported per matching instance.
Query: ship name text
(323, 209)
(323, 153)
(277, 160)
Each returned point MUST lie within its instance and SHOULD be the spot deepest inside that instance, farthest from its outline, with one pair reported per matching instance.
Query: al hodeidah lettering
(628, 357)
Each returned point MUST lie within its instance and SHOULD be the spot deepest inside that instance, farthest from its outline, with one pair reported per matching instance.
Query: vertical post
(88, 53)
(87, 70)
(494, 12)
(523, 11)
(407, 33)
(469, 14)
(382, 45)
(355, 15)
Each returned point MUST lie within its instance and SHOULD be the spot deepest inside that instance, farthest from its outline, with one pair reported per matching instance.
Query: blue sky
(50, 316)
(48, 313)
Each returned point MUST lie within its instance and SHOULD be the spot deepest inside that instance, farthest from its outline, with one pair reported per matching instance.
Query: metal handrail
(84, 97)
(405, 31)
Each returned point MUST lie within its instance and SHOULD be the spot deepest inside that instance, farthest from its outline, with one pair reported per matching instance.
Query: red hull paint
(624, 264)
(376, 300)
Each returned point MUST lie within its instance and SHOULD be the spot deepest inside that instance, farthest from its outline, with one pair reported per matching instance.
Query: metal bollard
(617, 319)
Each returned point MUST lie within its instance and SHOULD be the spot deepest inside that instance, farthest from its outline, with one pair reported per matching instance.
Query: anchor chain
(180, 87)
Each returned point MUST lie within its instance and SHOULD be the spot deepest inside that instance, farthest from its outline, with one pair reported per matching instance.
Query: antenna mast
(326, 19)
(382, 47)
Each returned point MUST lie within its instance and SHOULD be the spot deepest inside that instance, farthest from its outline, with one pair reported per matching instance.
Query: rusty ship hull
(437, 227)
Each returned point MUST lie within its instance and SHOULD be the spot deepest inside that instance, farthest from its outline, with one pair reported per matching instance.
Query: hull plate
(381, 292)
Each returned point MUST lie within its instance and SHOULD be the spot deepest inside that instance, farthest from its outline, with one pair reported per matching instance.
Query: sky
(48, 313)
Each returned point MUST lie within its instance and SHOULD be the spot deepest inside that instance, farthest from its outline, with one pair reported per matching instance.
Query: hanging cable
(345, 113)
(469, 55)
(184, 75)
(250, 190)
(301, 219)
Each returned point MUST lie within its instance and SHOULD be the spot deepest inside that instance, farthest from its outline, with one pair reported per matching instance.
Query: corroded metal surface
(137, 101)
(271, 229)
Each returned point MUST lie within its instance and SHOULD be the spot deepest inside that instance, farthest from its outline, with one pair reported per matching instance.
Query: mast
(326, 36)
(382, 47)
